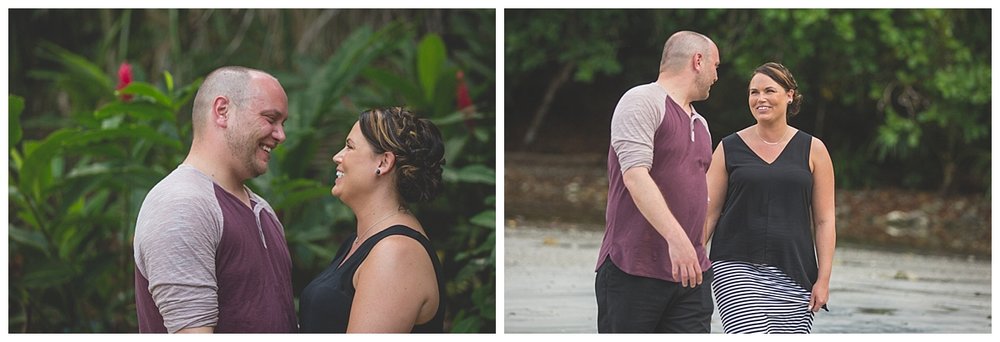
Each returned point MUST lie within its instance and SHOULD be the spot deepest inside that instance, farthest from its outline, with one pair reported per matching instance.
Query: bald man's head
(679, 48)
(232, 82)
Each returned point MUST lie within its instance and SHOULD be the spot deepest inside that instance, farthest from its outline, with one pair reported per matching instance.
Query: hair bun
(418, 147)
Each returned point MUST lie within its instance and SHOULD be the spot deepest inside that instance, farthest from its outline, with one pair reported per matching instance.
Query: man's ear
(696, 60)
(220, 111)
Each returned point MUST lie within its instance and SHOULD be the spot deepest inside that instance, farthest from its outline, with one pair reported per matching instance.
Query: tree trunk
(543, 108)
(949, 177)
(949, 158)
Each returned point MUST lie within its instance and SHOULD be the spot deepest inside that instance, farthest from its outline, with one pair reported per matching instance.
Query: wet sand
(549, 288)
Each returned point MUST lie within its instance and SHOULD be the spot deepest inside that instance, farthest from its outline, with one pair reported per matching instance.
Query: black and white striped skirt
(755, 298)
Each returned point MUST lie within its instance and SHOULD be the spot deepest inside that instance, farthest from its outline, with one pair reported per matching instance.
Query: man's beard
(704, 86)
(244, 147)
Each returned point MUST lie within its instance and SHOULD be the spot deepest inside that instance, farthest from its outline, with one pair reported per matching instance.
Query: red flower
(124, 78)
(462, 99)
(463, 103)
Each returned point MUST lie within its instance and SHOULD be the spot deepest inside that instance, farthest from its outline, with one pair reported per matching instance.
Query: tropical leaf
(147, 90)
(140, 110)
(430, 62)
(15, 105)
(31, 238)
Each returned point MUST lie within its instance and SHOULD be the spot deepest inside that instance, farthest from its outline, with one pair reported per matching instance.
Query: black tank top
(767, 215)
(325, 304)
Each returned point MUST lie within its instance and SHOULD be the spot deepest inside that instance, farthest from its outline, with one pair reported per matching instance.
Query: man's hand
(685, 267)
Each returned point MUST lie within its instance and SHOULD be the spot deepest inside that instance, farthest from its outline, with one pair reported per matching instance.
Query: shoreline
(549, 288)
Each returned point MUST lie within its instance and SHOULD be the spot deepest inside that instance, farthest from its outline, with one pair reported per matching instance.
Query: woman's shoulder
(415, 232)
(401, 241)
(814, 142)
(400, 254)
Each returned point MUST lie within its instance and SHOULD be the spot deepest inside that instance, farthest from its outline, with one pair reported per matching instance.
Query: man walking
(652, 271)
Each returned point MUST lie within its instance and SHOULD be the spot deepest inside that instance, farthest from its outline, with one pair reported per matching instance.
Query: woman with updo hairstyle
(771, 209)
(386, 277)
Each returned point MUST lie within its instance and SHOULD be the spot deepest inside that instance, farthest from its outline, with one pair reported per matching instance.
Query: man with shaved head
(652, 271)
(210, 254)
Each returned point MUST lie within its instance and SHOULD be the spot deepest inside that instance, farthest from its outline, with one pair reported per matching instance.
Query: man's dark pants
(627, 303)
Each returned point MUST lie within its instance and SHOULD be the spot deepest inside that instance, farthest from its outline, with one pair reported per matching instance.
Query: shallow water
(549, 287)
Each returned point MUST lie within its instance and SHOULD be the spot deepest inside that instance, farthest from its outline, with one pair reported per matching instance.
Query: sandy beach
(549, 288)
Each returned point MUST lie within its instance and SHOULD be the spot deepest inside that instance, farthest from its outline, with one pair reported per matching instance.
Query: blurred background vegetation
(901, 98)
(83, 153)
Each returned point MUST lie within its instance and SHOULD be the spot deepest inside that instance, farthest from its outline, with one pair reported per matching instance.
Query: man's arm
(198, 330)
(652, 205)
(177, 232)
(633, 127)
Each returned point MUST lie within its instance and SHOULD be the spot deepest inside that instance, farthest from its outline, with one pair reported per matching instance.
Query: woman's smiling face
(356, 165)
(767, 99)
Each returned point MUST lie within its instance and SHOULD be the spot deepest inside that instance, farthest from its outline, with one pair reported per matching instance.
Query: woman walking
(771, 210)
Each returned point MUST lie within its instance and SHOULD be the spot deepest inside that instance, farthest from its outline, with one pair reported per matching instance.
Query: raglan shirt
(649, 129)
(203, 258)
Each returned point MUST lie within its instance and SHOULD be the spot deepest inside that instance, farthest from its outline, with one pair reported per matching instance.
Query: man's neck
(226, 179)
(677, 90)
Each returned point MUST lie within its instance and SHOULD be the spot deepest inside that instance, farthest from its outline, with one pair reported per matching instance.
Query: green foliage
(588, 39)
(936, 102)
(469, 176)
(15, 106)
(74, 197)
(904, 92)
(911, 87)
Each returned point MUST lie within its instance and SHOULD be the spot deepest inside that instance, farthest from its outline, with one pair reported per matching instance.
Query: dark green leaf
(27, 237)
(430, 62)
(410, 91)
(467, 325)
(486, 219)
(15, 104)
(139, 109)
(475, 174)
(38, 162)
(147, 90)
(47, 275)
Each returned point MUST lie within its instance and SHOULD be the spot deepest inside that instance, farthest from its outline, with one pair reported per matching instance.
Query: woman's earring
(378, 172)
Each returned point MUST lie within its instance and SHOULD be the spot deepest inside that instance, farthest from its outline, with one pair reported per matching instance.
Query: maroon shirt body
(682, 152)
(249, 289)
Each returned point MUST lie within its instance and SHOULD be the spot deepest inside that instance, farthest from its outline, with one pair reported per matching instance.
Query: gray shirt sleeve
(636, 117)
(176, 236)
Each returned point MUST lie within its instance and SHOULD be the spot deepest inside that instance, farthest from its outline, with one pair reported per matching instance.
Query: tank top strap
(733, 147)
(367, 246)
(800, 147)
(729, 142)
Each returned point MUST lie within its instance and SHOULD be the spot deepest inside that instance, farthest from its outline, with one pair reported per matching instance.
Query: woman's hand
(820, 295)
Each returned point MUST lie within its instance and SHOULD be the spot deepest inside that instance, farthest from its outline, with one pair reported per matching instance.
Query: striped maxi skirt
(756, 298)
